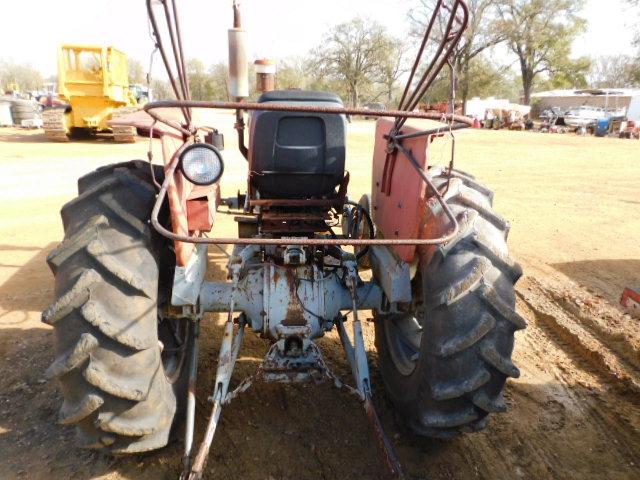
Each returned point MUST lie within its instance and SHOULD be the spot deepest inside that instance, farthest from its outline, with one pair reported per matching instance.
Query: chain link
(323, 367)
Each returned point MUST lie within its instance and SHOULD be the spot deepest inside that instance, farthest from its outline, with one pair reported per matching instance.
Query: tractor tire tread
(469, 323)
(108, 359)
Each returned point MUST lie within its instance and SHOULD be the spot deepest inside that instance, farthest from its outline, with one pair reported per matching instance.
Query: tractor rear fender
(399, 196)
(188, 279)
(192, 207)
(392, 274)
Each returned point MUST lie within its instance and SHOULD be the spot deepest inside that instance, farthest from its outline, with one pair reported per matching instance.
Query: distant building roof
(591, 92)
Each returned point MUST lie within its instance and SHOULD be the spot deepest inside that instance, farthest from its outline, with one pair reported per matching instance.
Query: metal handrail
(280, 107)
(455, 28)
(162, 195)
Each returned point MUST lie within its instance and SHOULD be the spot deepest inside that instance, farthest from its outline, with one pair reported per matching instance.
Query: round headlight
(202, 164)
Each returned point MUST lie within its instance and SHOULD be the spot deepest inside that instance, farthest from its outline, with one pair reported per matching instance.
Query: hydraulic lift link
(191, 396)
(229, 350)
(357, 356)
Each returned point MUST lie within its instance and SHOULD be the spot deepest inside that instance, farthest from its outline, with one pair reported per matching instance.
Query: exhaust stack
(238, 58)
(265, 75)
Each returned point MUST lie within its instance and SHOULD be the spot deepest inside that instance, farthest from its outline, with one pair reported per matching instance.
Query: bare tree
(23, 74)
(636, 3)
(480, 35)
(137, 72)
(293, 73)
(614, 71)
(392, 67)
(162, 90)
(353, 53)
(540, 33)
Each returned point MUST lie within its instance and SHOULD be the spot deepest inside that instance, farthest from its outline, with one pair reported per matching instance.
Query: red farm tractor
(130, 273)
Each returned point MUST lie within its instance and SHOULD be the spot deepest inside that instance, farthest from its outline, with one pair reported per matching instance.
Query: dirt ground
(573, 414)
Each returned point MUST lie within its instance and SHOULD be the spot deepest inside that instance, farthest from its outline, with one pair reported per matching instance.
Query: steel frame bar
(179, 90)
(357, 356)
(432, 132)
(191, 398)
(303, 242)
(188, 104)
(416, 64)
(450, 39)
(227, 357)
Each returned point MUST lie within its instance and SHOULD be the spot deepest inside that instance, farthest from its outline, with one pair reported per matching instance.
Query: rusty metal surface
(455, 21)
(396, 189)
(281, 368)
(313, 202)
(455, 18)
(628, 295)
(276, 300)
(199, 216)
(180, 87)
(385, 448)
(186, 218)
(151, 107)
(282, 241)
(294, 222)
(292, 216)
(177, 192)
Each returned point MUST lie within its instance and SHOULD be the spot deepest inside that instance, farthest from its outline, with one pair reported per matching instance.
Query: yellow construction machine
(93, 81)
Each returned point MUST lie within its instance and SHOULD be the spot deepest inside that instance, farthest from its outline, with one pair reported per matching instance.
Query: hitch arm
(357, 357)
(227, 357)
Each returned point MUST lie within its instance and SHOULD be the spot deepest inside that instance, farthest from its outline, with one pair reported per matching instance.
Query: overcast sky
(30, 30)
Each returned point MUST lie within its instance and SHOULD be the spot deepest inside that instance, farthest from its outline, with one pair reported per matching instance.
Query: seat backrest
(297, 155)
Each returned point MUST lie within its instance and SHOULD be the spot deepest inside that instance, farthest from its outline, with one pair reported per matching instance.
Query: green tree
(293, 73)
(198, 79)
(162, 90)
(486, 79)
(480, 36)
(137, 72)
(208, 83)
(219, 82)
(352, 54)
(540, 33)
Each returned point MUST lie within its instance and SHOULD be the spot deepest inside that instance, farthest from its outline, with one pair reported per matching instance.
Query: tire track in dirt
(614, 408)
(619, 331)
(585, 343)
(579, 405)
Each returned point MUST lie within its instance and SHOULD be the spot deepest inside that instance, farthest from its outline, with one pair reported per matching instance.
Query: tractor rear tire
(120, 366)
(444, 362)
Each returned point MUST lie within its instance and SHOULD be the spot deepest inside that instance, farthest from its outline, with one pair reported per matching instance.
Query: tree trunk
(466, 85)
(527, 80)
(527, 85)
